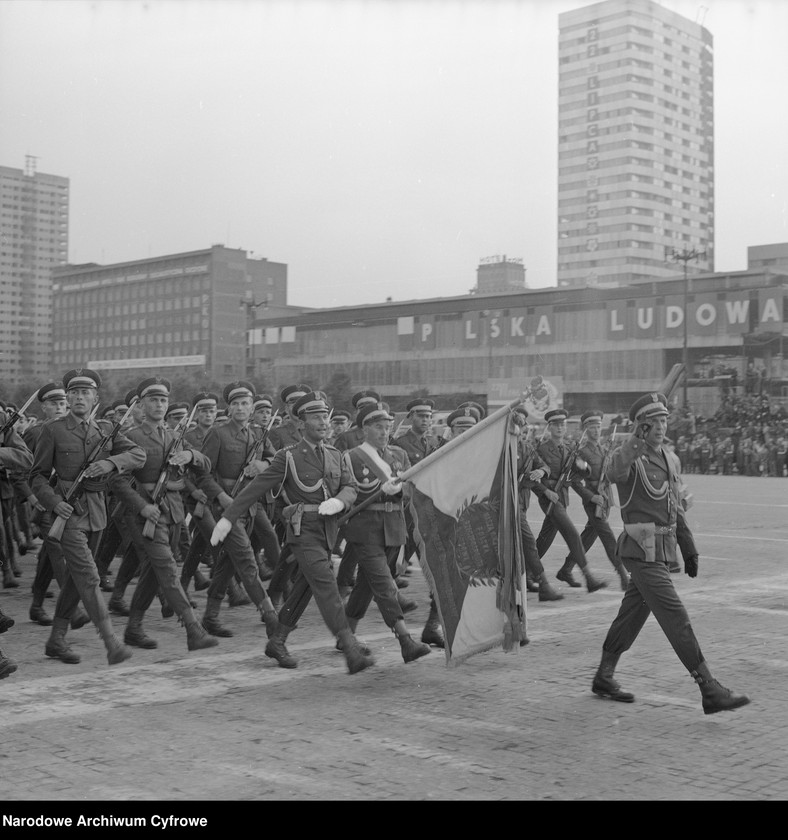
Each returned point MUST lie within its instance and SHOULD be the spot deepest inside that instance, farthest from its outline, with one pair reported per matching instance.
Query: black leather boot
(135, 635)
(197, 638)
(57, 647)
(210, 619)
(276, 649)
(604, 685)
(716, 698)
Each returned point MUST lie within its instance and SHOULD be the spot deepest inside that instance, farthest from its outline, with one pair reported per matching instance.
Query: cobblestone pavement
(228, 724)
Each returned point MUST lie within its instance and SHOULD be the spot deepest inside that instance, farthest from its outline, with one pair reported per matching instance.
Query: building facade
(635, 143)
(188, 312)
(599, 348)
(34, 240)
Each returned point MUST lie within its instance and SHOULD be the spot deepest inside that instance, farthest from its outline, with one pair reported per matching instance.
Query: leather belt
(310, 508)
(388, 507)
(175, 486)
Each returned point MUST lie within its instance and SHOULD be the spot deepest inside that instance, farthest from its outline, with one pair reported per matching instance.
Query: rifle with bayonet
(14, 416)
(73, 493)
(566, 472)
(159, 493)
(603, 487)
(255, 455)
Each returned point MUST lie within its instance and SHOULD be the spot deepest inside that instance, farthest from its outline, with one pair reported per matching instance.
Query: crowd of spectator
(747, 435)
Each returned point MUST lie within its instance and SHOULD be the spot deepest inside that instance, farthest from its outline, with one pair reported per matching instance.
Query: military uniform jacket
(63, 446)
(298, 473)
(587, 486)
(15, 460)
(555, 457)
(649, 487)
(383, 523)
(228, 448)
(285, 435)
(349, 439)
(528, 460)
(156, 441)
(417, 446)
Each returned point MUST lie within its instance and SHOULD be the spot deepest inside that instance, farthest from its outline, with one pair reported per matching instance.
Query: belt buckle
(388, 507)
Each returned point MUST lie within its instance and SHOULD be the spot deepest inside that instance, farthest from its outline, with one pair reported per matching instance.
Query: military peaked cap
(370, 412)
(81, 378)
(51, 391)
(649, 405)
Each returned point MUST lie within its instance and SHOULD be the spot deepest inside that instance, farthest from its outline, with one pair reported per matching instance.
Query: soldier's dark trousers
(237, 557)
(158, 568)
(651, 590)
(558, 521)
(82, 580)
(316, 579)
(597, 528)
(533, 563)
(374, 580)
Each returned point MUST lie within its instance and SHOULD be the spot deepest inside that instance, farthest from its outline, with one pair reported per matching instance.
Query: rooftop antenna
(30, 165)
(701, 13)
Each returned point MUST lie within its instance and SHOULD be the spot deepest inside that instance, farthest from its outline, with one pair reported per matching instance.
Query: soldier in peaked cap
(340, 422)
(355, 435)
(289, 430)
(319, 485)
(376, 534)
(52, 397)
(176, 412)
(236, 458)
(158, 569)
(195, 499)
(418, 442)
(530, 469)
(649, 489)
(587, 487)
(554, 499)
(462, 419)
(62, 449)
(263, 410)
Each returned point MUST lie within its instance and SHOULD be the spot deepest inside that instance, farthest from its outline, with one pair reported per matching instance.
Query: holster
(292, 515)
(644, 534)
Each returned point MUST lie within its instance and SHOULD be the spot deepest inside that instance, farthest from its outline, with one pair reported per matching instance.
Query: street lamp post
(684, 256)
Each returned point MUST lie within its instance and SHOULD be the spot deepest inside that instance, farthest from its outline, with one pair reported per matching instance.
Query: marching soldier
(531, 468)
(289, 431)
(158, 568)
(418, 442)
(50, 563)
(14, 457)
(340, 422)
(354, 436)
(377, 532)
(649, 489)
(319, 485)
(228, 449)
(196, 499)
(596, 505)
(63, 448)
(553, 502)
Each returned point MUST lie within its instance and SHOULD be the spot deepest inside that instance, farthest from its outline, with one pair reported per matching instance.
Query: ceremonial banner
(463, 499)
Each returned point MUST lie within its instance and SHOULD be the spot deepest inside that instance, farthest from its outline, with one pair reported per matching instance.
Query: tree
(339, 390)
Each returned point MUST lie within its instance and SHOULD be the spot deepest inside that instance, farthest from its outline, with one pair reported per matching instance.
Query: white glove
(330, 507)
(221, 530)
(392, 487)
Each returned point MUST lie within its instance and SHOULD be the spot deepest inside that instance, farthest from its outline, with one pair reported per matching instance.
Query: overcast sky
(379, 148)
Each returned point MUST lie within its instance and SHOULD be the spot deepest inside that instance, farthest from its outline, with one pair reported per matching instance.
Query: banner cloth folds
(465, 508)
